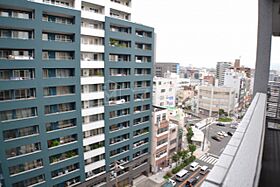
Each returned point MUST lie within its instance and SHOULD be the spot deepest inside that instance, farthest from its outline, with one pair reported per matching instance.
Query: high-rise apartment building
(221, 68)
(75, 94)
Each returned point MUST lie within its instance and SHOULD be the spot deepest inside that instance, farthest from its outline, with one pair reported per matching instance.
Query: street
(209, 159)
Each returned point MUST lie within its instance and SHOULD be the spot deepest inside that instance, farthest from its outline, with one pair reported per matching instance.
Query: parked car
(229, 133)
(220, 124)
(204, 170)
(220, 133)
(192, 182)
(171, 181)
(224, 133)
(216, 138)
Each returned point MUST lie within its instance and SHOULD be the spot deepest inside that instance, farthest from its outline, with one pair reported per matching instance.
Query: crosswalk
(209, 159)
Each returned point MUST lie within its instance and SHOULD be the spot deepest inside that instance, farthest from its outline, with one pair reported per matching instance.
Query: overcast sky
(202, 32)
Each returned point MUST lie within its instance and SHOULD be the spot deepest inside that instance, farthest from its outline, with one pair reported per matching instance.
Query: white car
(220, 134)
(224, 133)
(172, 182)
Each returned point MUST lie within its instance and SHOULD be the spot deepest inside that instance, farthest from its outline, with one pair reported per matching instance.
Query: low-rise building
(211, 99)
(164, 91)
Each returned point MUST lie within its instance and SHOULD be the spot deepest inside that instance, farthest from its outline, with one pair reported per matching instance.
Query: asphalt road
(216, 148)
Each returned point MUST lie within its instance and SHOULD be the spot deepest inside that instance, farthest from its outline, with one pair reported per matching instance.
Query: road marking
(183, 183)
(209, 159)
(200, 181)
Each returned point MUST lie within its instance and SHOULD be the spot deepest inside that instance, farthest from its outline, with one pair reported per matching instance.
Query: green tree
(221, 112)
(176, 158)
(189, 135)
(192, 148)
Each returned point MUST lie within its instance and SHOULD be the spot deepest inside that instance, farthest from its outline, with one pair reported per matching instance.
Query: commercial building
(165, 139)
(162, 68)
(211, 99)
(164, 91)
(76, 82)
(221, 68)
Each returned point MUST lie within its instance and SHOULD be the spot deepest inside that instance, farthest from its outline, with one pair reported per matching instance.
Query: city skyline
(231, 31)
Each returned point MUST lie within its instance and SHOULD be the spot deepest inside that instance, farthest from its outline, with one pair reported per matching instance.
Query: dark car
(192, 182)
(220, 124)
(229, 133)
(216, 138)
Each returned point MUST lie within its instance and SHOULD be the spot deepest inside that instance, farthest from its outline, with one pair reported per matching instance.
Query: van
(182, 175)
(194, 166)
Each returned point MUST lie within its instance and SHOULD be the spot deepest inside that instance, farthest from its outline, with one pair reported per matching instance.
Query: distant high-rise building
(236, 63)
(162, 68)
(220, 71)
(75, 94)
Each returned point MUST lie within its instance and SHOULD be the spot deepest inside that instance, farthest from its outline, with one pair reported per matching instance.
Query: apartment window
(30, 181)
(142, 71)
(92, 103)
(65, 170)
(142, 33)
(122, 2)
(119, 14)
(16, 14)
(119, 126)
(16, 54)
(63, 124)
(92, 24)
(119, 57)
(17, 74)
(58, 19)
(92, 40)
(94, 159)
(70, 182)
(16, 34)
(57, 55)
(119, 71)
(93, 132)
(143, 58)
(58, 73)
(56, 108)
(173, 141)
(143, 46)
(94, 146)
(119, 161)
(96, 72)
(93, 118)
(92, 8)
(140, 153)
(140, 142)
(119, 151)
(119, 100)
(118, 139)
(141, 120)
(62, 140)
(119, 85)
(60, 3)
(90, 88)
(119, 113)
(20, 132)
(16, 94)
(22, 150)
(141, 131)
(25, 166)
(161, 130)
(59, 90)
(115, 28)
(57, 37)
(160, 142)
(119, 43)
(95, 172)
(18, 114)
(92, 56)
(63, 156)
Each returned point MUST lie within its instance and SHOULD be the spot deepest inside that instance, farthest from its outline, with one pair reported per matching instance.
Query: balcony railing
(240, 162)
